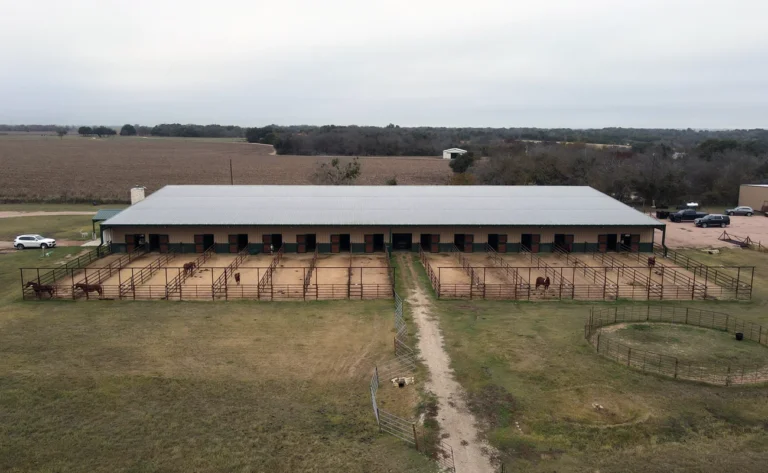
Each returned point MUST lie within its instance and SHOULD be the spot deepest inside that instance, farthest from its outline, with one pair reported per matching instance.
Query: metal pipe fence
(404, 364)
(671, 366)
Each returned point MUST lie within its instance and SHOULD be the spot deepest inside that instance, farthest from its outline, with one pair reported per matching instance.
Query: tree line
(710, 172)
(394, 140)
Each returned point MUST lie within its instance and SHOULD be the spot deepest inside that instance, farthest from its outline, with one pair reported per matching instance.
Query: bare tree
(336, 174)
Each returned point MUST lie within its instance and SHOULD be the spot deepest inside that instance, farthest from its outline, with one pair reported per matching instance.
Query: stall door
(163, 240)
(301, 243)
(130, 243)
(266, 242)
(535, 240)
(335, 244)
(602, 243)
(369, 243)
(468, 240)
(502, 244)
(232, 243)
(634, 243)
(434, 246)
(199, 246)
(568, 243)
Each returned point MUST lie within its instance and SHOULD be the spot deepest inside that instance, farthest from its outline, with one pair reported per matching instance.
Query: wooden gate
(233, 244)
(634, 243)
(434, 244)
(163, 242)
(266, 241)
(130, 243)
(535, 241)
(502, 244)
(335, 246)
(468, 240)
(602, 243)
(301, 243)
(369, 243)
(199, 244)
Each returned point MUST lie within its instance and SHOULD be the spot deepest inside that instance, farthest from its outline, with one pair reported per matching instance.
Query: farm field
(104, 170)
(204, 387)
(550, 403)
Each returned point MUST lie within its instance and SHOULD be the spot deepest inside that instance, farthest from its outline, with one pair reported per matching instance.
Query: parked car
(743, 210)
(687, 215)
(33, 241)
(713, 220)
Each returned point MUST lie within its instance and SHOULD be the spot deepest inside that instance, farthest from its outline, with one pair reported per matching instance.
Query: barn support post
(38, 275)
(693, 286)
(21, 275)
(738, 282)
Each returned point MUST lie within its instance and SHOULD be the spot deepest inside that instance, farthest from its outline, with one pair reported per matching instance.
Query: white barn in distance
(453, 153)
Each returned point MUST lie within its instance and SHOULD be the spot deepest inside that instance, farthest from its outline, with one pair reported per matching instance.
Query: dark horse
(651, 261)
(86, 288)
(189, 267)
(237, 278)
(41, 288)
(542, 282)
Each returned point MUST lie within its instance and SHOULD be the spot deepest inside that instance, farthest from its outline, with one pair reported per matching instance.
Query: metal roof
(755, 185)
(380, 205)
(105, 214)
(454, 150)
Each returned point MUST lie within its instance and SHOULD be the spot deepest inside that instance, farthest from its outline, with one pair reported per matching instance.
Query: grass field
(74, 169)
(62, 227)
(150, 387)
(702, 346)
(55, 207)
(528, 364)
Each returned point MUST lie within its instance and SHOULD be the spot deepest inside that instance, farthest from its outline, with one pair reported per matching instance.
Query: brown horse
(189, 267)
(651, 261)
(86, 288)
(542, 282)
(237, 278)
(41, 288)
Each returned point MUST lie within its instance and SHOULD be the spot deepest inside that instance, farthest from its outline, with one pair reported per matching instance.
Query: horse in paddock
(542, 282)
(86, 288)
(237, 278)
(41, 288)
(651, 261)
(189, 267)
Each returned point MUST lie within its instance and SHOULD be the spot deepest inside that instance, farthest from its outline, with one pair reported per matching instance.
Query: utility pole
(231, 176)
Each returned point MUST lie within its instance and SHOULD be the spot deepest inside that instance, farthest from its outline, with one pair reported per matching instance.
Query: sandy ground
(11, 214)
(454, 416)
(448, 268)
(687, 235)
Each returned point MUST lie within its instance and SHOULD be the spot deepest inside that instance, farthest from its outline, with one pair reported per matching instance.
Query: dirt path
(469, 452)
(11, 214)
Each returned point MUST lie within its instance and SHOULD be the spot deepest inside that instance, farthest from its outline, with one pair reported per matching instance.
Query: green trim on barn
(546, 247)
(290, 247)
(646, 247)
(579, 248)
(118, 247)
(221, 248)
(323, 247)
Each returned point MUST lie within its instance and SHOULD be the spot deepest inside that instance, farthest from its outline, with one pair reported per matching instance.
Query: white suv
(33, 241)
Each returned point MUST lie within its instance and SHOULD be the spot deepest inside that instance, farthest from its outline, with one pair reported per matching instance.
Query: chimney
(137, 194)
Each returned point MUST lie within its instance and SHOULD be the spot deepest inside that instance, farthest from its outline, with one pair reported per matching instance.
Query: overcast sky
(585, 63)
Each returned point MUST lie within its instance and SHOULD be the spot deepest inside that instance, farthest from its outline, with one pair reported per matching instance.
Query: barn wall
(753, 196)
(182, 238)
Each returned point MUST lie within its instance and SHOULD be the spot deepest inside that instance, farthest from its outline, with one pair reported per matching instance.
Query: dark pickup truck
(687, 215)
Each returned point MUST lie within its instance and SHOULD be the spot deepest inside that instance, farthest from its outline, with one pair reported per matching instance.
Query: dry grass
(45, 168)
(528, 364)
(119, 387)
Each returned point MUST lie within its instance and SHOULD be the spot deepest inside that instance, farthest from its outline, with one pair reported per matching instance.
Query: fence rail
(404, 364)
(56, 274)
(557, 279)
(220, 285)
(702, 271)
(670, 366)
(434, 279)
(308, 275)
(175, 284)
(144, 274)
(626, 282)
(267, 278)
(466, 266)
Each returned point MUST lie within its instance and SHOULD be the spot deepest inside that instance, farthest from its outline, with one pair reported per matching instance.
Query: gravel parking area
(687, 235)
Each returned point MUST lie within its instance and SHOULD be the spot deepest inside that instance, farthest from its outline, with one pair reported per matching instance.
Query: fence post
(676, 368)
(415, 437)
(615, 313)
(629, 357)
(598, 342)
(728, 376)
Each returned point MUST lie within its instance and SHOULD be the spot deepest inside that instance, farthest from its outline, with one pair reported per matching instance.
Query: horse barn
(334, 242)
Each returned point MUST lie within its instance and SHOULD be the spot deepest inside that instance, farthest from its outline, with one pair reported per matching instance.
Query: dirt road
(469, 451)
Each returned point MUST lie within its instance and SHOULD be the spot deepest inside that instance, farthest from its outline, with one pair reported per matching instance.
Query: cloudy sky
(586, 63)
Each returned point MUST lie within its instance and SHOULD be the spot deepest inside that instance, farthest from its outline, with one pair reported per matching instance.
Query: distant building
(753, 195)
(452, 153)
